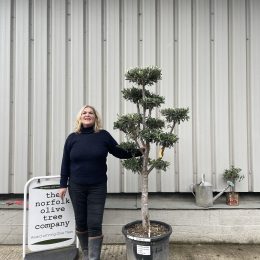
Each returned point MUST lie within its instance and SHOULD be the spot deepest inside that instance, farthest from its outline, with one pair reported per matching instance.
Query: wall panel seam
(85, 50)
(121, 80)
(30, 89)
(68, 71)
(12, 103)
(140, 52)
(140, 32)
(248, 98)
(194, 92)
(176, 89)
(49, 88)
(212, 93)
(158, 63)
(230, 83)
(104, 58)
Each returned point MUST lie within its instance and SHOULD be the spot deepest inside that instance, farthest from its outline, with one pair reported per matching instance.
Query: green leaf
(134, 164)
(144, 76)
(128, 123)
(129, 146)
(152, 102)
(232, 174)
(150, 135)
(154, 123)
(159, 164)
(149, 101)
(132, 94)
(175, 114)
(167, 139)
(159, 137)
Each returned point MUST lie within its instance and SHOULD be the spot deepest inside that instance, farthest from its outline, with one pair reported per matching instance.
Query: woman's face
(88, 117)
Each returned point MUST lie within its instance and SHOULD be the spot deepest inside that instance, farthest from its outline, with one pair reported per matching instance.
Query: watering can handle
(192, 189)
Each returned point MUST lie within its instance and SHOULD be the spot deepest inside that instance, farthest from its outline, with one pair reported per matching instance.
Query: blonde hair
(78, 123)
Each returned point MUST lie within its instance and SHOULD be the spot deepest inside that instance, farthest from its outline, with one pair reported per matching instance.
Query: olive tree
(142, 129)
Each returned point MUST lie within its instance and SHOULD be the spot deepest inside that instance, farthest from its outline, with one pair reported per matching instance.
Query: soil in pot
(156, 229)
(141, 247)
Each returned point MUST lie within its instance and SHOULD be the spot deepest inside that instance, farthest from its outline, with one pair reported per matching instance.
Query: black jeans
(88, 203)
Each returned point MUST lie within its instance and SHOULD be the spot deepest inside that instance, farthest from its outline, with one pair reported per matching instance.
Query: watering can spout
(229, 184)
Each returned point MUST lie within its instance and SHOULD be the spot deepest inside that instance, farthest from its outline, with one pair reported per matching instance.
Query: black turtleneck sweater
(84, 157)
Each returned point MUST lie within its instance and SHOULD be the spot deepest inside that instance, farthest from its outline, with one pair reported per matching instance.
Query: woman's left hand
(62, 193)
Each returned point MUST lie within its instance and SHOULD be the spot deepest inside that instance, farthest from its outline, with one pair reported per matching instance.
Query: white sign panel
(143, 250)
(51, 222)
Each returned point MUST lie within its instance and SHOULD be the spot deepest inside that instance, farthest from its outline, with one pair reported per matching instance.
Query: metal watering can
(204, 193)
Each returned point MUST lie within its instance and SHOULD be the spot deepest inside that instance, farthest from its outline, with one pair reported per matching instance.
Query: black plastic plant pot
(143, 248)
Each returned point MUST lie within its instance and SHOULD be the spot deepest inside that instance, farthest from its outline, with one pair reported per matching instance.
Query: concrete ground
(177, 252)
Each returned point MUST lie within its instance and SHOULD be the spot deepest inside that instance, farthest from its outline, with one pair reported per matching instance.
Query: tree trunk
(144, 204)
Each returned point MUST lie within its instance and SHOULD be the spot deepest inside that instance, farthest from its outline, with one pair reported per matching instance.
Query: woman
(83, 171)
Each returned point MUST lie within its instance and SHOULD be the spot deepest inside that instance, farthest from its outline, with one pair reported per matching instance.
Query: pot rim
(147, 239)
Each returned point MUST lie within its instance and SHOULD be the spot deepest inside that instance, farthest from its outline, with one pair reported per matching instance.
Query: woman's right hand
(62, 193)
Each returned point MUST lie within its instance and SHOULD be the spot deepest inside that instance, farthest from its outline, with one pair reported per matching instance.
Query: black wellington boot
(83, 240)
(95, 244)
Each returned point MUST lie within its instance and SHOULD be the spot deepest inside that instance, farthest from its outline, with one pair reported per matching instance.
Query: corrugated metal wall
(57, 55)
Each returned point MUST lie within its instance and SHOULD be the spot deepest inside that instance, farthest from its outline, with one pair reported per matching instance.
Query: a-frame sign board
(48, 222)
